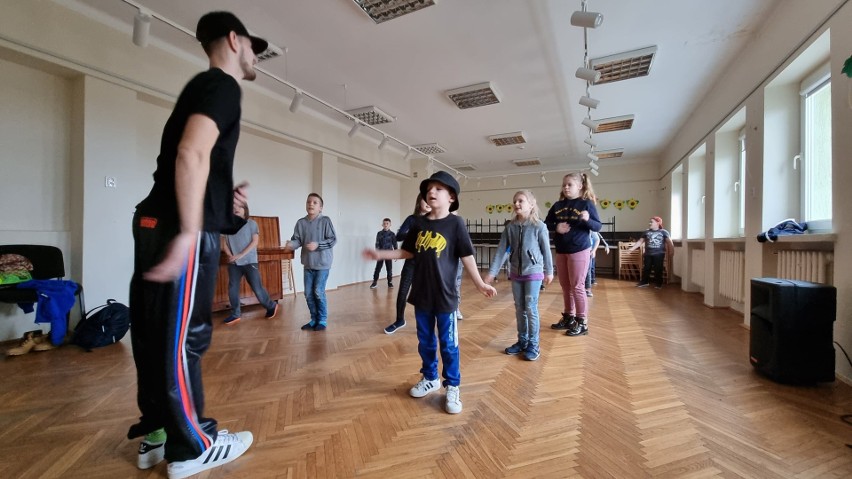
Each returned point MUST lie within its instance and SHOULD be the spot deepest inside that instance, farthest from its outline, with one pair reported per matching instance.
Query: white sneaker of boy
(225, 449)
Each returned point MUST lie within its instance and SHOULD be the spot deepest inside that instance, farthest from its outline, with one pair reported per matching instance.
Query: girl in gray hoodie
(526, 244)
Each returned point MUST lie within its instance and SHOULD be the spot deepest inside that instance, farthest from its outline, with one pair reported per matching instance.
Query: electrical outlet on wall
(109, 182)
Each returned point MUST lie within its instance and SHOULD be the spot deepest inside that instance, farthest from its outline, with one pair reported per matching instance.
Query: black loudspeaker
(792, 324)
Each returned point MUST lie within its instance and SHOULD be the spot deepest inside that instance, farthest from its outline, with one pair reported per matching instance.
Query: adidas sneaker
(151, 453)
(225, 449)
(424, 387)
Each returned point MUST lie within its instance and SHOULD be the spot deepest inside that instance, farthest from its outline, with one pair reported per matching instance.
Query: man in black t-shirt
(176, 232)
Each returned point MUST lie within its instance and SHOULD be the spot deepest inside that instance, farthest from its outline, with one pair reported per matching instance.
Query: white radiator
(813, 266)
(732, 275)
(697, 277)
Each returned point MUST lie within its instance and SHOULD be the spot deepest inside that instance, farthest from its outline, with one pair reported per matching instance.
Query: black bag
(102, 326)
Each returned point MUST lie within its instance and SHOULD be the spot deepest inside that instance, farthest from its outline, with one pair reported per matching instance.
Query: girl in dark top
(420, 209)
(572, 218)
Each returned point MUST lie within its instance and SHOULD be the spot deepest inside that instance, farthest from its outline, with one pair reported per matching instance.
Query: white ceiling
(527, 48)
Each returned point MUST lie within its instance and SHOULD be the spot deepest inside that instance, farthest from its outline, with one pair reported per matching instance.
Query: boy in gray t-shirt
(241, 249)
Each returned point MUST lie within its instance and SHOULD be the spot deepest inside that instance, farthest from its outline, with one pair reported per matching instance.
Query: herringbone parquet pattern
(661, 387)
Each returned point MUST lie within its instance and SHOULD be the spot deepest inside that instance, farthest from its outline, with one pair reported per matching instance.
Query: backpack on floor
(102, 326)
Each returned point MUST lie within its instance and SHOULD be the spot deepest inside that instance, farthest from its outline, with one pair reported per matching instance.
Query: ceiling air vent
(472, 96)
(505, 139)
(623, 66)
(604, 154)
(616, 123)
(371, 115)
(527, 162)
(271, 52)
(384, 10)
(467, 167)
(430, 149)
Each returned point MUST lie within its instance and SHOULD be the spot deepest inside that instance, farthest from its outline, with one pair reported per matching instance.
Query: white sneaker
(424, 387)
(454, 404)
(459, 315)
(150, 454)
(225, 449)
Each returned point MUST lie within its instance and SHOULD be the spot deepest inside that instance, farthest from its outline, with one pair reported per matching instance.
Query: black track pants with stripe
(170, 330)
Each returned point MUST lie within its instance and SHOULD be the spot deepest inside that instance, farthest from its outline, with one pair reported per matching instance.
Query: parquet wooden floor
(661, 387)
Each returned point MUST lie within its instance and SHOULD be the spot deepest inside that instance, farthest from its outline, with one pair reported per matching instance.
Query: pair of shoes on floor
(271, 312)
(232, 319)
(374, 285)
(314, 327)
(515, 349)
(453, 404)
(32, 341)
(567, 322)
(390, 329)
(224, 449)
(580, 328)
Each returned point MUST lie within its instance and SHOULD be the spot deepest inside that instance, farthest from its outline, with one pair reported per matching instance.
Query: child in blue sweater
(526, 242)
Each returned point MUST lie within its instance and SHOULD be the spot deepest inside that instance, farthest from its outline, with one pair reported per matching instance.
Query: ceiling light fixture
(430, 149)
(472, 96)
(592, 156)
(505, 139)
(591, 142)
(504, 181)
(588, 74)
(297, 102)
(593, 165)
(141, 28)
(383, 143)
(409, 154)
(384, 10)
(355, 127)
(594, 172)
(589, 102)
(543, 178)
(590, 124)
(371, 115)
(586, 19)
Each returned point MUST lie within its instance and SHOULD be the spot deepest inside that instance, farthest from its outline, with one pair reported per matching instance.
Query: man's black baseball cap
(216, 25)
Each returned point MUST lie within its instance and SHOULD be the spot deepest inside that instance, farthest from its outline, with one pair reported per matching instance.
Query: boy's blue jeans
(315, 280)
(526, 311)
(448, 337)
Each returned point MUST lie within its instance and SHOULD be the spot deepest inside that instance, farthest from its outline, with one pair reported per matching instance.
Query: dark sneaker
(390, 285)
(232, 319)
(320, 327)
(589, 293)
(393, 327)
(225, 449)
(271, 312)
(579, 329)
(641, 285)
(151, 453)
(531, 354)
(308, 326)
(373, 286)
(515, 349)
(565, 323)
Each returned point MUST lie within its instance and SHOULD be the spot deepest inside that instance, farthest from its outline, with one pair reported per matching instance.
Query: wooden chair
(629, 262)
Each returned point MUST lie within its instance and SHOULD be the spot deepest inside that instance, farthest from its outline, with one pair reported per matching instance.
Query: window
(741, 181)
(816, 149)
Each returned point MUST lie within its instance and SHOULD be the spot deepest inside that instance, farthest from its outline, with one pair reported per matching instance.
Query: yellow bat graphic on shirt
(428, 240)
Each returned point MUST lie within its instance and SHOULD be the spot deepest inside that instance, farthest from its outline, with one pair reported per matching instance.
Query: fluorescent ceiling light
(615, 123)
(430, 149)
(505, 139)
(384, 10)
(527, 162)
(371, 115)
(271, 52)
(586, 19)
(623, 66)
(614, 153)
(472, 96)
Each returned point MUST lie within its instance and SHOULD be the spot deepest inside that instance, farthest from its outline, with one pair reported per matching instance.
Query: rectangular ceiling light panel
(505, 139)
(527, 162)
(271, 52)
(623, 66)
(472, 96)
(384, 10)
(430, 149)
(615, 123)
(371, 115)
(615, 153)
(465, 167)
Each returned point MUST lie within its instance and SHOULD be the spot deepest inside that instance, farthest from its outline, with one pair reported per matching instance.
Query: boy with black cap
(437, 241)
(176, 231)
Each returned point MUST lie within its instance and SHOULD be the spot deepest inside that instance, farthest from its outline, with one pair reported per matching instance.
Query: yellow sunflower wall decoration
(547, 204)
(605, 203)
(509, 208)
(632, 203)
(489, 209)
(619, 204)
(499, 208)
